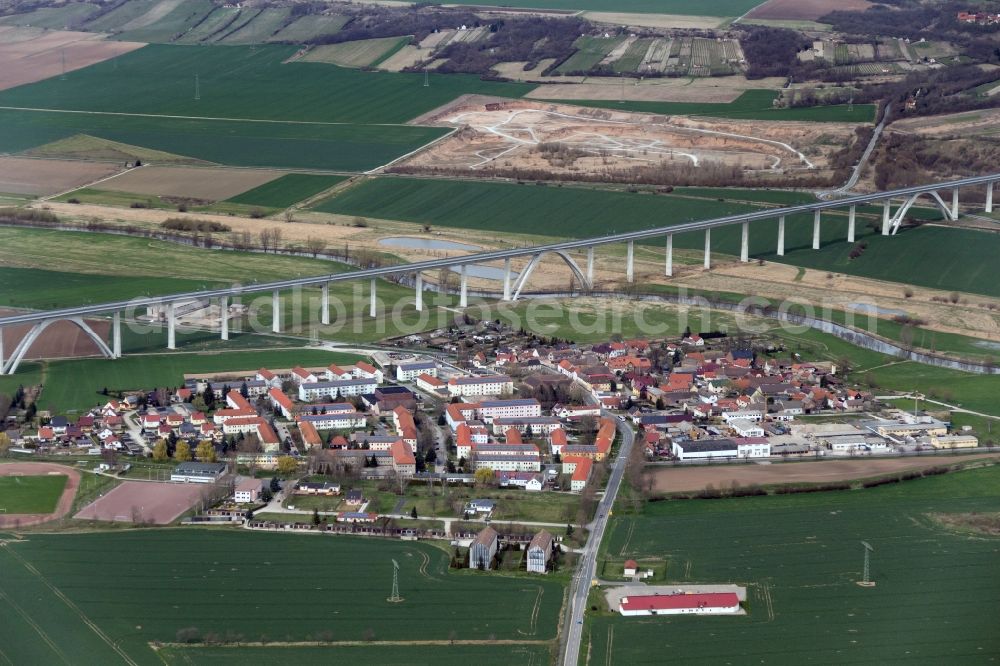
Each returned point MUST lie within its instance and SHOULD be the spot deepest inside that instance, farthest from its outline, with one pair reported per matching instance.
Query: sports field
(337, 147)
(287, 190)
(30, 494)
(248, 83)
(59, 592)
(800, 555)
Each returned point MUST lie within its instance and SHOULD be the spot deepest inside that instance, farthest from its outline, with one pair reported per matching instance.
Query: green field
(633, 56)
(590, 51)
(287, 190)
(58, 587)
(750, 105)
(712, 8)
(934, 602)
(577, 212)
(247, 83)
(359, 53)
(53, 18)
(344, 147)
(179, 20)
(76, 385)
(30, 494)
(307, 28)
(395, 655)
(964, 259)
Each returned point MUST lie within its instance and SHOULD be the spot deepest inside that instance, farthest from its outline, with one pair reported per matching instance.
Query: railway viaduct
(513, 285)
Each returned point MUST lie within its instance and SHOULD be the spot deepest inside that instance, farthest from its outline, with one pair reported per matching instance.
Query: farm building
(539, 552)
(712, 603)
(198, 472)
(483, 548)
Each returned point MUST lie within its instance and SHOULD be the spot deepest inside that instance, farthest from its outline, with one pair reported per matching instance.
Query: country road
(587, 569)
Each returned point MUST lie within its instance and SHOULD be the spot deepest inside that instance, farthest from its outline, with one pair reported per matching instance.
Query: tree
(275, 485)
(413, 512)
(183, 452)
(315, 245)
(484, 476)
(4, 443)
(160, 450)
(315, 516)
(205, 451)
(287, 465)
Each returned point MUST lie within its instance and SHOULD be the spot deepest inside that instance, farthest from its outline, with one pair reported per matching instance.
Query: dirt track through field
(684, 479)
(39, 469)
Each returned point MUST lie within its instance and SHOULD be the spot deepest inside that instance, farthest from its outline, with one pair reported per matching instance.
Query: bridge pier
(708, 248)
(116, 335)
(171, 327)
(670, 255)
(954, 203)
(629, 259)
(850, 224)
(745, 243)
(463, 296)
(276, 311)
(816, 229)
(886, 205)
(372, 306)
(324, 304)
(420, 293)
(781, 236)
(224, 317)
(989, 197)
(506, 276)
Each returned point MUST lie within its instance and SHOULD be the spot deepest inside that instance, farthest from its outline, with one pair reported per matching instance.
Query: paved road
(586, 571)
(856, 172)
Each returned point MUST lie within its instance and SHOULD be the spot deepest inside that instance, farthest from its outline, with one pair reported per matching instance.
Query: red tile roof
(680, 601)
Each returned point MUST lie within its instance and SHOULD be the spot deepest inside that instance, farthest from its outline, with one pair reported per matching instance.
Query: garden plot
(206, 184)
(562, 139)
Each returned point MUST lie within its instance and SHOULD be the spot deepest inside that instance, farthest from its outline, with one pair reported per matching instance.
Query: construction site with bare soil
(541, 140)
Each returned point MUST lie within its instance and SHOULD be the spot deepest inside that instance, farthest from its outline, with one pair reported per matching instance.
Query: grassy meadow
(31, 494)
(800, 555)
(338, 593)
